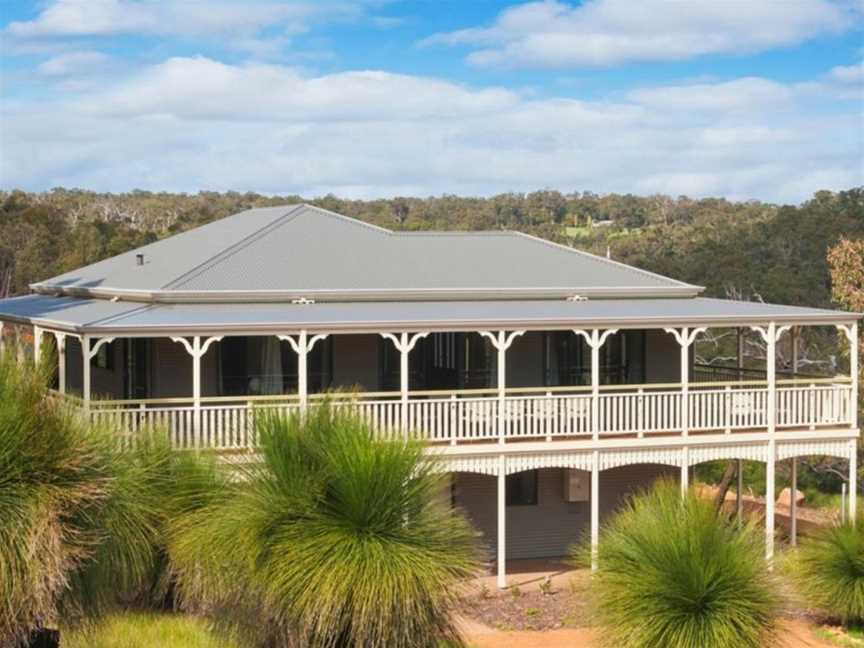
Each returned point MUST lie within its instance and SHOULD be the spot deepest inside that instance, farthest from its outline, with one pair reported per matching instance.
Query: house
(549, 382)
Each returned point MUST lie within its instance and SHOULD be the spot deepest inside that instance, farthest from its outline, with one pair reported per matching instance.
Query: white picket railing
(638, 411)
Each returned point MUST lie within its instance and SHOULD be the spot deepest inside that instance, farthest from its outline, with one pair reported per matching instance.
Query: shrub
(672, 572)
(80, 518)
(333, 538)
(830, 570)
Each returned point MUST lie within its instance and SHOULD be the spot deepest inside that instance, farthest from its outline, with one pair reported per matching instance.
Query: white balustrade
(636, 411)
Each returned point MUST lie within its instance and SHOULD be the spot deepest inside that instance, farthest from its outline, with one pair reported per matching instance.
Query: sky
(744, 99)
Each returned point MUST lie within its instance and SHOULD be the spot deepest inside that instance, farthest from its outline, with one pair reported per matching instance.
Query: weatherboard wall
(549, 528)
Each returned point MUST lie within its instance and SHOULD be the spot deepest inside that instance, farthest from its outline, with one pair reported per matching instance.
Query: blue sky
(745, 99)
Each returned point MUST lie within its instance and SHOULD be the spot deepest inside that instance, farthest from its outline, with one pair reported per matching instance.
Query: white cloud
(551, 33)
(848, 73)
(185, 18)
(748, 94)
(193, 123)
(200, 88)
(73, 63)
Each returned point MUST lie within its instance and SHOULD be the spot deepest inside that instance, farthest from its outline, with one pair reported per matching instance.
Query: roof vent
(577, 298)
(139, 259)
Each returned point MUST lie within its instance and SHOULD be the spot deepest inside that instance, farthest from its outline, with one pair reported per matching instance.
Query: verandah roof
(105, 317)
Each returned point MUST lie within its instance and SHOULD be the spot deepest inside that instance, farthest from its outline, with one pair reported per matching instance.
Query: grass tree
(80, 518)
(333, 538)
(673, 571)
(830, 570)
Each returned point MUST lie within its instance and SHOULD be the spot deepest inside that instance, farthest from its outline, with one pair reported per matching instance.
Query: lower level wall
(549, 528)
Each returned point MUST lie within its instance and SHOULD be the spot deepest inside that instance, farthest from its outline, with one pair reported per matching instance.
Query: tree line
(750, 250)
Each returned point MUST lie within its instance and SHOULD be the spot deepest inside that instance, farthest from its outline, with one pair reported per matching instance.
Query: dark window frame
(522, 488)
(104, 358)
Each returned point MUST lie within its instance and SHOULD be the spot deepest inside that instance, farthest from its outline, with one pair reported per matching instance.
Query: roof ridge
(612, 262)
(236, 246)
(453, 233)
(348, 219)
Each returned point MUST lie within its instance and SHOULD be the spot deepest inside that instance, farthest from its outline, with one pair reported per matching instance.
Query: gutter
(365, 294)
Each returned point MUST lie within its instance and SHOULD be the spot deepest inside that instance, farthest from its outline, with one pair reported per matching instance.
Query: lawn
(141, 630)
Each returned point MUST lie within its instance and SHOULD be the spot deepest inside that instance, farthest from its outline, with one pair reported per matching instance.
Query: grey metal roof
(282, 253)
(123, 317)
(69, 313)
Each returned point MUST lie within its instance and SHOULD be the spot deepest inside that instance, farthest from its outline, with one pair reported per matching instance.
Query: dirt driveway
(793, 633)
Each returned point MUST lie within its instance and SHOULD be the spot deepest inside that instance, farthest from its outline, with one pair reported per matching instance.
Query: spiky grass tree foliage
(334, 539)
(830, 570)
(672, 572)
(80, 518)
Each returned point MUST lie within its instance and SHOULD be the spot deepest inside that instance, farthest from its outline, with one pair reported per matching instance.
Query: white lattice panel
(578, 460)
(664, 456)
(750, 452)
(484, 465)
(834, 448)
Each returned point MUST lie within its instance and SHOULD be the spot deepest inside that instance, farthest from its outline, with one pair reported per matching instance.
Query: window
(522, 489)
(104, 358)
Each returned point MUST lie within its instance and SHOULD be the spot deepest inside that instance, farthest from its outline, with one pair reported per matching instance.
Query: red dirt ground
(793, 633)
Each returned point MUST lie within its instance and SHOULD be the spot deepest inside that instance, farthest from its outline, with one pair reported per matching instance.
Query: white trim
(648, 442)
(448, 326)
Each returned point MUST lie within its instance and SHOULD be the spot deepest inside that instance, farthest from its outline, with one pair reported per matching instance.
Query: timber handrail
(463, 393)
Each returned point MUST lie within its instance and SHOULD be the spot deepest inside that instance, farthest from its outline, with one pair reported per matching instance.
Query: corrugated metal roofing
(307, 251)
(68, 313)
(127, 317)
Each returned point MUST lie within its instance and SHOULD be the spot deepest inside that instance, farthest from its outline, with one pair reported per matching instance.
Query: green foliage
(141, 630)
(80, 518)
(672, 572)
(333, 539)
(830, 570)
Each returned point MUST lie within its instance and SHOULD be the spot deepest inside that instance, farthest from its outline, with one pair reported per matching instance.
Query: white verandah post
(502, 341)
(685, 337)
(595, 508)
(502, 523)
(196, 349)
(771, 335)
(88, 354)
(851, 332)
(37, 343)
(793, 505)
(595, 340)
(302, 345)
(793, 502)
(404, 344)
